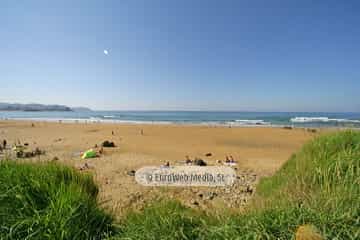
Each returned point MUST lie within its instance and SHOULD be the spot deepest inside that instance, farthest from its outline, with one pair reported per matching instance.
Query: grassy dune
(48, 201)
(319, 186)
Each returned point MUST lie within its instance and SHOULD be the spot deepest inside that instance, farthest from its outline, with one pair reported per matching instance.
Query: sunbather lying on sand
(229, 160)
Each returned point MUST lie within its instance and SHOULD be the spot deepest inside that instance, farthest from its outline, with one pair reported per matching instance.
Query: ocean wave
(321, 119)
(95, 118)
(251, 122)
(109, 116)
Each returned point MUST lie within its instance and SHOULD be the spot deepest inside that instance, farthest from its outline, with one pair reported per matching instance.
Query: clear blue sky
(182, 55)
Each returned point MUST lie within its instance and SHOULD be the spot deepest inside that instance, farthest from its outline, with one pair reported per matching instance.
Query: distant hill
(33, 107)
(81, 109)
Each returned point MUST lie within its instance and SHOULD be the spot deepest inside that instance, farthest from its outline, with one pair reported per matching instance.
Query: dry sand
(258, 150)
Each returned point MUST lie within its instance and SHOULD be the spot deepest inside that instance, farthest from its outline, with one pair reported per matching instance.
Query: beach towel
(89, 154)
(230, 164)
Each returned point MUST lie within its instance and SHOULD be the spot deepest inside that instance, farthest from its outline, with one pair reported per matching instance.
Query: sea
(212, 118)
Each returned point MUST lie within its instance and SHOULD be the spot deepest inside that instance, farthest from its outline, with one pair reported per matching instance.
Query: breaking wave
(251, 122)
(321, 119)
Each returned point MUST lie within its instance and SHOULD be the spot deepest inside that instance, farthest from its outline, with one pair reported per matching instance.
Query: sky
(182, 55)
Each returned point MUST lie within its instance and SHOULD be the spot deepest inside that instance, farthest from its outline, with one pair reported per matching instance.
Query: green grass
(49, 201)
(319, 186)
(167, 220)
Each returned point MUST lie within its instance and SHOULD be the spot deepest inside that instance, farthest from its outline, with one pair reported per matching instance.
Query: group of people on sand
(229, 159)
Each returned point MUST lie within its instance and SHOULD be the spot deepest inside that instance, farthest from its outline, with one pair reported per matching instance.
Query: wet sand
(259, 151)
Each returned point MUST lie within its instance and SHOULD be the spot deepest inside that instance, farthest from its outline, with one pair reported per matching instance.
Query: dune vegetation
(49, 201)
(318, 189)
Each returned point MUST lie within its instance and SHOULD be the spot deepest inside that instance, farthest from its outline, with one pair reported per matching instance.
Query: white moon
(106, 52)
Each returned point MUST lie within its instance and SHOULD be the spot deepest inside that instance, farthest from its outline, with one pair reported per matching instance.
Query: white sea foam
(234, 123)
(251, 122)
(90, 120)
(95, 119)
(321, 119)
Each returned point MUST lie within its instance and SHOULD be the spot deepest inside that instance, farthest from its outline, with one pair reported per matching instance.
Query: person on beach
(112, 133)
(142, 132)
(187, 160)
(4, 143)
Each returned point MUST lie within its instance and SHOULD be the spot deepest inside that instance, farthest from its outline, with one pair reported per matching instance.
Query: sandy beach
(258, 151)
